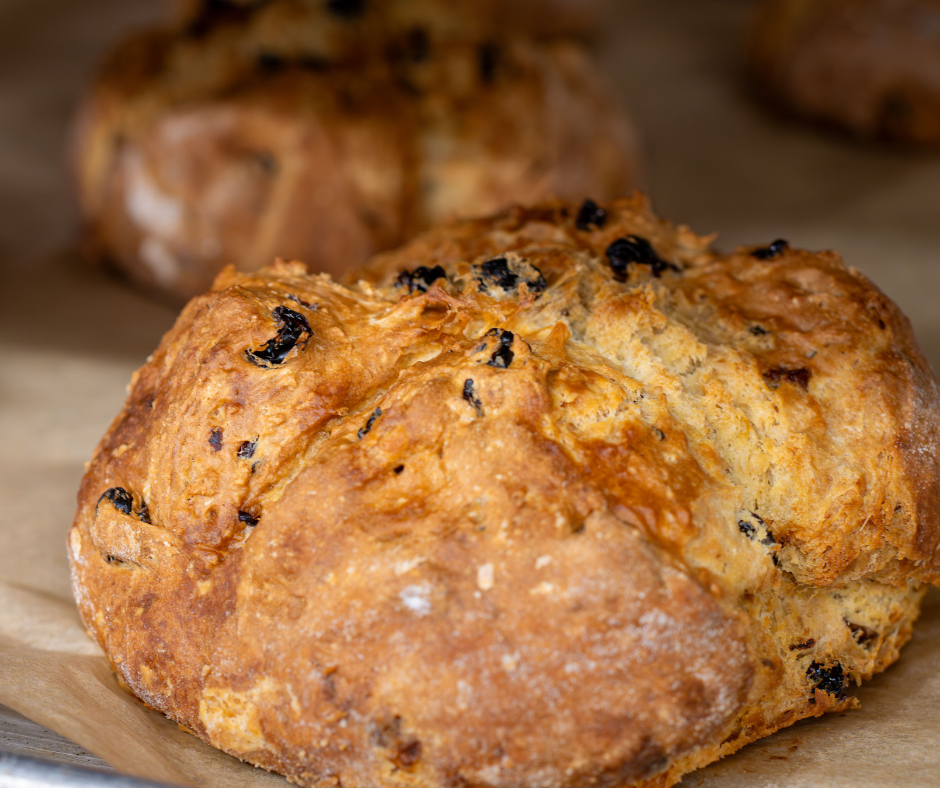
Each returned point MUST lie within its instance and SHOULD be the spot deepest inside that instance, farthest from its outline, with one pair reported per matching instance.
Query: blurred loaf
(286, 129)
(869, 67)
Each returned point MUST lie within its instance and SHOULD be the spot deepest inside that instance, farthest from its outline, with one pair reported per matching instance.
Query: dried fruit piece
(864, 636)
(508, 273)
(123, 501)
(143, 512)
(421, 278)
(120, 498)
(409, 755)
(754, 527)
(635, 250)
(502, 357)
(802, 645)
(770, 252)
(774, 377)
(470, 396)
(363, 431)
(589, 214)
(497, 271)
(828, 679)
(293, 328)
(489, 61)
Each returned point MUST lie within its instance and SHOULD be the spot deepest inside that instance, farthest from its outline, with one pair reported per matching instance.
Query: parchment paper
(70, 338)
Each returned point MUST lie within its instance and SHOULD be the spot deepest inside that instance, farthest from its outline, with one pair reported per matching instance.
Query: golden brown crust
(247, 142)
(868, 66)
(529, 519)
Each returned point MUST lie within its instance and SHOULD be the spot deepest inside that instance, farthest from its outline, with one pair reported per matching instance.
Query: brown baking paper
(70, 338)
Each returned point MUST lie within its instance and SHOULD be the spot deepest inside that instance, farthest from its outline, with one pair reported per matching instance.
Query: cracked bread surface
(247, 137)
(559, 497)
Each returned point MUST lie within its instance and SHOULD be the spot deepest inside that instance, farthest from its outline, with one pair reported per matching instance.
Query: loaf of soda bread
(869, 67)
(285, 129)
(562, 497)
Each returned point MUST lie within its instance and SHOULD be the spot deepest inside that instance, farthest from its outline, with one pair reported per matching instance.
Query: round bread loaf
(246, 139)
(871, 67)
(558, 498)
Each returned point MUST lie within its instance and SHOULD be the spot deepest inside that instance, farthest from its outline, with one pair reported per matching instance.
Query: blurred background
(713, 158)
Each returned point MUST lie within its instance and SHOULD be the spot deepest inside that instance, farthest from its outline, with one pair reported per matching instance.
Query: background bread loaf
(285, 129)
(870, 67)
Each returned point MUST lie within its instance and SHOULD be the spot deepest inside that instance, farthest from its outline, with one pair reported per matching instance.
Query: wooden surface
(21, 736)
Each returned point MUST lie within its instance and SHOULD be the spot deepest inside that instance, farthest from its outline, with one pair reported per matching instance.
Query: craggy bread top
(791, 376)
(492, 514)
